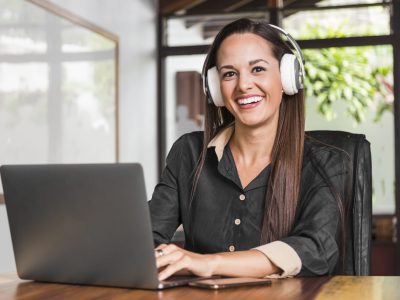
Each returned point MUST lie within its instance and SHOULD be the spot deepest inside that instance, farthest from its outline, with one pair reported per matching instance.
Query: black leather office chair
(358, 198)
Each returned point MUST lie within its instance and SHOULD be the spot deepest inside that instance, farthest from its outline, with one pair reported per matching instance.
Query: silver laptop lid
(82, 223)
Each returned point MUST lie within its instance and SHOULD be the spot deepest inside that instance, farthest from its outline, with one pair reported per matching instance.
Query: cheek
(274, 87)
(225, 84)
(227, 88)
(277, 96)
(226, 91)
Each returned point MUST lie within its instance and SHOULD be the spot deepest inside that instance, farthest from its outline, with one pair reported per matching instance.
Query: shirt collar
(221, 140)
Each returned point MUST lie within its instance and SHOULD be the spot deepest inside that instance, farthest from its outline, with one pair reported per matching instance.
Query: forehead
(243, 46)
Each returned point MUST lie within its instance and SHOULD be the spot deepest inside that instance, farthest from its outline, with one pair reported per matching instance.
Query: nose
(245, 82)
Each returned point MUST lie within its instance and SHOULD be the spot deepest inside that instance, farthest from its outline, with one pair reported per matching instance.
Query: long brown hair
(287, 152)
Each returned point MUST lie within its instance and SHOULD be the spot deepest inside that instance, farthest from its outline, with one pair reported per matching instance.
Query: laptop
(82, 224)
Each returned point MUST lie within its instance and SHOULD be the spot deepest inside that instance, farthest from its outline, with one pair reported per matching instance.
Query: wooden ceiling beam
(288, 2)
(218, 7)
(207, 7)
(301, 4)
(237, 5)
(168, 7)
(274, 4)
(260, 5)
(212, 7)
(182, 8)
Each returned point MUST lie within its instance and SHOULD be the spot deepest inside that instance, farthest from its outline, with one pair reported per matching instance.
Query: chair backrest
(358, 198)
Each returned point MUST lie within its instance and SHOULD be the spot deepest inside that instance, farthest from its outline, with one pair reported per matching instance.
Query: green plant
(355, 75)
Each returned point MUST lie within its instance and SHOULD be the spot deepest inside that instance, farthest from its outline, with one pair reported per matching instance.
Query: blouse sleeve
(312, 247)
(164, 204)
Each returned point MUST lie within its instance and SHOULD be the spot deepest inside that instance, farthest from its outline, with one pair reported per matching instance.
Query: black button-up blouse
(221, 204)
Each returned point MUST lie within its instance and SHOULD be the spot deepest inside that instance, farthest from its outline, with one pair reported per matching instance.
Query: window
(58, 98)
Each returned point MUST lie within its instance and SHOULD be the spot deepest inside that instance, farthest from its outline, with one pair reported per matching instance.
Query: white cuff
(283, 256)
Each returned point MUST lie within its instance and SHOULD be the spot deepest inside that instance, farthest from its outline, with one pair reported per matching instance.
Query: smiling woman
(249, 189)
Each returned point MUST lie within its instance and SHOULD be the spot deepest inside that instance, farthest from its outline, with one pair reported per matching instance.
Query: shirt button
(242, 197)
(231, 248)
(237, 221)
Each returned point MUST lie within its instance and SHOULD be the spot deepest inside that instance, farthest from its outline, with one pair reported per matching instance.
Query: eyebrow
(252, 62)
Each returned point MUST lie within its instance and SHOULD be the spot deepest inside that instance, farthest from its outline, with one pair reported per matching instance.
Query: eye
(228, 74)
(258, 69)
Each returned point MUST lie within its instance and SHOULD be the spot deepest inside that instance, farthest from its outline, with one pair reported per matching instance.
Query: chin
(252, 123)
(256, 122)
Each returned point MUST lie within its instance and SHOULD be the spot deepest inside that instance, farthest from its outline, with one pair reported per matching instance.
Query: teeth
(250, 100)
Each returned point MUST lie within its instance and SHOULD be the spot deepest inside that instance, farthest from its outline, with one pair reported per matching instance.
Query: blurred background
(119, 81)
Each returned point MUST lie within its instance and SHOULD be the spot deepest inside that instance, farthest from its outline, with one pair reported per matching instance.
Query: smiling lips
(249, 102)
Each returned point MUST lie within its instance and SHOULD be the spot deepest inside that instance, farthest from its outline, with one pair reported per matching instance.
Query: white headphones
(291, 68)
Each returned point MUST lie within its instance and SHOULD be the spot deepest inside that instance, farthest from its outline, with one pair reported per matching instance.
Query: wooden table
(319, 288)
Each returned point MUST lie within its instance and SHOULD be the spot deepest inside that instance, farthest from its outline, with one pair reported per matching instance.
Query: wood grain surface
(319, 288)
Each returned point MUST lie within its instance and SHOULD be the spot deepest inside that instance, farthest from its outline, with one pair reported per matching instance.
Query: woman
(249, 190)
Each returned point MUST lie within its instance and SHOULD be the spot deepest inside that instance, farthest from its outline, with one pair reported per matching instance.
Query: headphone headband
(297, 52)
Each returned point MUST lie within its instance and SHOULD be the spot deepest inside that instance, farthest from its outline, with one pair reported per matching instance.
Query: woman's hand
(172, 259)
(250, 263)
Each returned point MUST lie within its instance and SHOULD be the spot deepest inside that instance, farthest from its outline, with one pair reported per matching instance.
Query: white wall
(134, 21)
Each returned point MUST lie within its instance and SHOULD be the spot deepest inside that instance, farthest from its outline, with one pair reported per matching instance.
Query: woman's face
(250, 79)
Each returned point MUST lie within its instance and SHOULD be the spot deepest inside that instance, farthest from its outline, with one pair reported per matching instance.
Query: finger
(161, 246)
(181, 264)
(158, 253)
(167, 249)
(160, 250)
(168, 259)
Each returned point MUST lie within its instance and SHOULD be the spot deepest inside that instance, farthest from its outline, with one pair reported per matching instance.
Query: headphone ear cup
(214, 87)
(289, 67)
